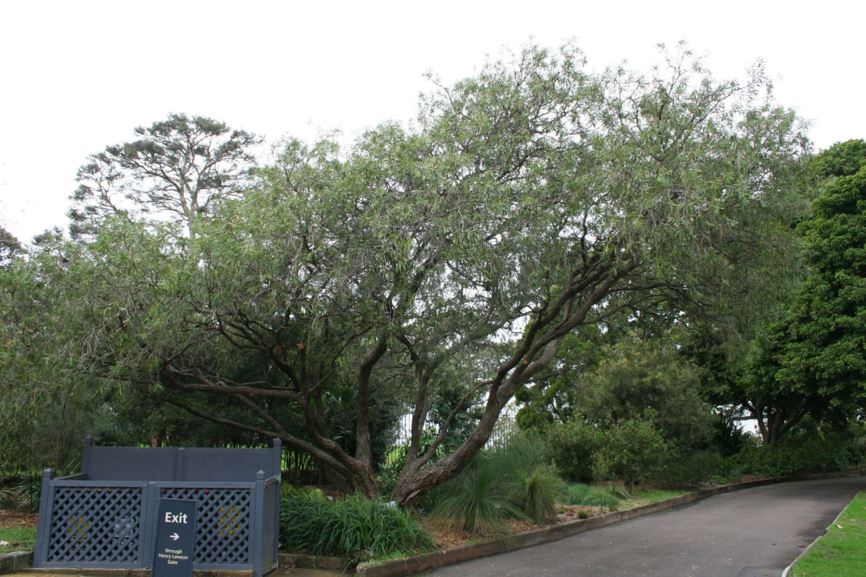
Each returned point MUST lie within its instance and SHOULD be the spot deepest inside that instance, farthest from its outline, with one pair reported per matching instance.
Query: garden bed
(17, 531)
(15, 518)
(447, 537)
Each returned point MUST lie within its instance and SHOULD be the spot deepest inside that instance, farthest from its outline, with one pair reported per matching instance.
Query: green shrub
(353, 528)
(805, 451)
(477, 499)
(692, 469)
(22, 494)
(632, 451)
(572, 446)
(537, 492)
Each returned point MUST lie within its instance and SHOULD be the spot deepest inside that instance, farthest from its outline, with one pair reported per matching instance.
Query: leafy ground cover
(353, 528)
(842, 551)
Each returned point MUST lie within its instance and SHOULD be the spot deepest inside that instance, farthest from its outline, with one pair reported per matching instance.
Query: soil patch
(13, 518)
(445, 536)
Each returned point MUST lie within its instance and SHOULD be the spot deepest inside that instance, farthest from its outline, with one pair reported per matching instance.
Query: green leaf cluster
(353, 528)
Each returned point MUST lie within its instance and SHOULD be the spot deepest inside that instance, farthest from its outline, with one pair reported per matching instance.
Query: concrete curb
(437, 559)
(298, 561)
(15, 561)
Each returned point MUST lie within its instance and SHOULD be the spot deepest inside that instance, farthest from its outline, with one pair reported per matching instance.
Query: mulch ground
(448, 537)
(13, 518)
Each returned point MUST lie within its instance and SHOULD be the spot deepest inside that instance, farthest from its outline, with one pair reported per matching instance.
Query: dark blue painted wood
(211, 477)
(175, 538)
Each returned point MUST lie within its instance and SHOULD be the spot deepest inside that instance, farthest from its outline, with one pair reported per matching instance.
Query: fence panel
(96, 524)
(111, 524)
(223, 531)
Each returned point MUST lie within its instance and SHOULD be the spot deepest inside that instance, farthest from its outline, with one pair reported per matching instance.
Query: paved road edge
(437, 559)
(818, 538)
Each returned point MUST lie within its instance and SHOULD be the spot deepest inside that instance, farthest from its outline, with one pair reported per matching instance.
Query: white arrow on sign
(174, 536)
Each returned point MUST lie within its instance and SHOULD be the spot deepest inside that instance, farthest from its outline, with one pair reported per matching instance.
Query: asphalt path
(748, 533)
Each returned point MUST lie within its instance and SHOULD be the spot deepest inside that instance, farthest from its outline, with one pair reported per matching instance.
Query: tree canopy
(531, 200)
(177, 169)
(813, 361)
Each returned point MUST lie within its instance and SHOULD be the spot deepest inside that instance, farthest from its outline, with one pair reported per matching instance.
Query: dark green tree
(813, 361)
(827, 334)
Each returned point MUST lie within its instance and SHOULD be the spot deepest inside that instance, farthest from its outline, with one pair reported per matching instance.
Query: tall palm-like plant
(476, 500)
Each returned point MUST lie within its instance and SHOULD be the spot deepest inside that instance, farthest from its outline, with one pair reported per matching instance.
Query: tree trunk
(412, 482)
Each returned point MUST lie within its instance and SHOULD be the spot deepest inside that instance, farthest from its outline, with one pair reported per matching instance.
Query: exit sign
(175, 538)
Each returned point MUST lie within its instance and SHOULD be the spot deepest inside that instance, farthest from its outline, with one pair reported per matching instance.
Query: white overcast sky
(77, 75)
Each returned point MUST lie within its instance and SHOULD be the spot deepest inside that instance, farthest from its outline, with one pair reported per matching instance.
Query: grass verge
(641, 497)
(17, 539)
(842, 551)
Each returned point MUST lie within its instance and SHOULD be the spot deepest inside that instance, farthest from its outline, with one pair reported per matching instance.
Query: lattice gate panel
(95, 525)
(223, 532)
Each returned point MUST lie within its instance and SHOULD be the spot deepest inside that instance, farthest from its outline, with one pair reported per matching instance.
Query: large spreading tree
(531, 200)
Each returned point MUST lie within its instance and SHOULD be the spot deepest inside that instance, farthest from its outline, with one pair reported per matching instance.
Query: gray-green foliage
(9, 246)
(477, 500)
(514, 481)
(46, 407)
(177, 170)
(530, 200)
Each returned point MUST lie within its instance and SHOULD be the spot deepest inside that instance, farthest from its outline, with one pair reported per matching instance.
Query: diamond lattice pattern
(223, 530)
(95, 525)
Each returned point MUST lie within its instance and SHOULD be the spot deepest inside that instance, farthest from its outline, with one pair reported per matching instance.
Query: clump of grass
(537, 492)
(595, 496)
(353, 528)
(476, 500)
(23, 495)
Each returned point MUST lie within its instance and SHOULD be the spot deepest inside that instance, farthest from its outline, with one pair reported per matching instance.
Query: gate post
(278, 457)
(258, 523)
(85, 458)
(149, 510)
(46, 504)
